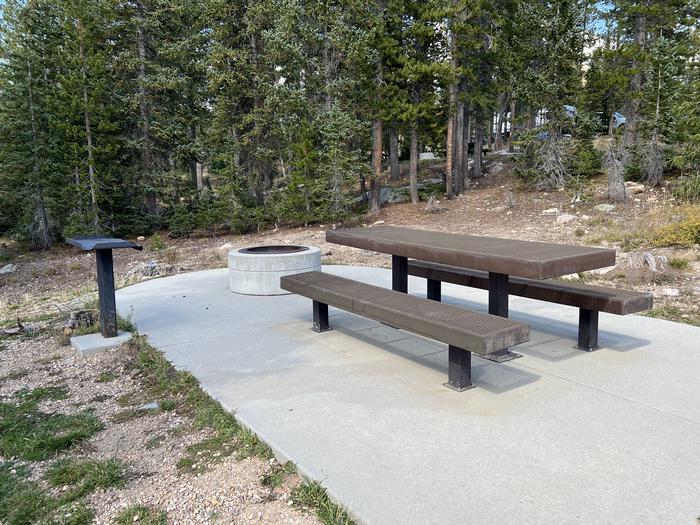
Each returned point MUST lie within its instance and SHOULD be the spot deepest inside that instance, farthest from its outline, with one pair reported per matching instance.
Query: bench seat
(463, 330)
(588, 298)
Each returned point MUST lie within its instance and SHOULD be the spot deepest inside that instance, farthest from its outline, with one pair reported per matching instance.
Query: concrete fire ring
(257, 270)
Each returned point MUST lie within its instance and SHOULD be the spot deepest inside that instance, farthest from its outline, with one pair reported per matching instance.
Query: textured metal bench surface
(472, 331)
(534, 260)
(585, 296)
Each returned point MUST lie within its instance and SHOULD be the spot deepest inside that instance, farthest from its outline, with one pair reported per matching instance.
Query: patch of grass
(84, 477)
(49, 359)
(673, 313)
(130, 414)
(24, 502)
(17, 374)
(142, 515)
(202, 456)
(679, 263)
(42, 393)
(277, 475)
(106, 377)
(314, 495)
(33, 435)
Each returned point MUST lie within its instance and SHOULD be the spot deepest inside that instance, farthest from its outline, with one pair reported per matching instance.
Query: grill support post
(459, 370)
(105, 287)
(587, 330)
(399, 273)
(434, 290)
(320, 317)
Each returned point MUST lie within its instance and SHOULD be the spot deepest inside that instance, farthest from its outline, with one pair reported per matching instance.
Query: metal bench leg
(587, 330)
(320, 317)
(434, 290)
(399, 273)
(459, 371)
(498, 305)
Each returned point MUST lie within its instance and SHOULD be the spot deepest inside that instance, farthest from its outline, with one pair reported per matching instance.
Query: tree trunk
(459, 160)
(144, 125)
(511, 138)
(374, 184)
(502, 106)
(449, 184)
(413, 165)
(617, 192)
(41, 216)
(478, 140)
(394, 152)
(92, 179)
(194, 179)
(630, 137)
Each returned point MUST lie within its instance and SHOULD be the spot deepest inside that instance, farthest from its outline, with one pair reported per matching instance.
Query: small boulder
(8, 268)
(565, 218)
(671, 292)
(605, 208)
(140, 238)
(550, 211)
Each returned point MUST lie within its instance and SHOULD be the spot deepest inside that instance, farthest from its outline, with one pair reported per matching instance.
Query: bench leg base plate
(319, 330)
(501, 357)
(458, 388)
(588, 349)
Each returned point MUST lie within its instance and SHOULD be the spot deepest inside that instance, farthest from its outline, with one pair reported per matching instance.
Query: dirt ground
(150, 442)
(48, 281)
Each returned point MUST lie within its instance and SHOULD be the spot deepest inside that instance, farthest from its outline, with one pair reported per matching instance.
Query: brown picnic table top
(529, 259)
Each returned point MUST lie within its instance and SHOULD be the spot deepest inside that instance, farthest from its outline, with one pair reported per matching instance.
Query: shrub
(157, 244)
(688, 189)
(684, 233)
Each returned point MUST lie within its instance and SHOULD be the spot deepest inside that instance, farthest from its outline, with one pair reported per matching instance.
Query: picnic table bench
(463, 330)
(589, 299)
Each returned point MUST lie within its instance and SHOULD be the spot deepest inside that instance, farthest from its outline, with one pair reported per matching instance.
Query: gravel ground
(150, 445)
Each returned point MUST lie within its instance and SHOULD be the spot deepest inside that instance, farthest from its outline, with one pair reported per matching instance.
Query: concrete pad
(93, 343)
(560, 436)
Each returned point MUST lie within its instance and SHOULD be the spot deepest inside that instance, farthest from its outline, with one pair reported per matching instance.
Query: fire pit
(257, 270)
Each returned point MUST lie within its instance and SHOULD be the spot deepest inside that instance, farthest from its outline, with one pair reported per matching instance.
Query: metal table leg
(498, 305)
(105, 287)
(399, 273)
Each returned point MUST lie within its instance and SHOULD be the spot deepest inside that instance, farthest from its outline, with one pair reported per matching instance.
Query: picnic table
(501, 258)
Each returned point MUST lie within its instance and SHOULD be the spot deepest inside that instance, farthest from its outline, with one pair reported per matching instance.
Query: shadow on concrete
(556, 340)
(493, 377)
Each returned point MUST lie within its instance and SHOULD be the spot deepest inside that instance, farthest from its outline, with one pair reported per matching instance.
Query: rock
(602, 271)
(377, 223)
(150, 406)
(634, 188)
(671, 292)
(226, 247)
(496, 168)
(8, 268)
(551, 211)
(140, 238)
(585, 217)
(565, 218)
(571, 277)
(606, 208)
(426, 155)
